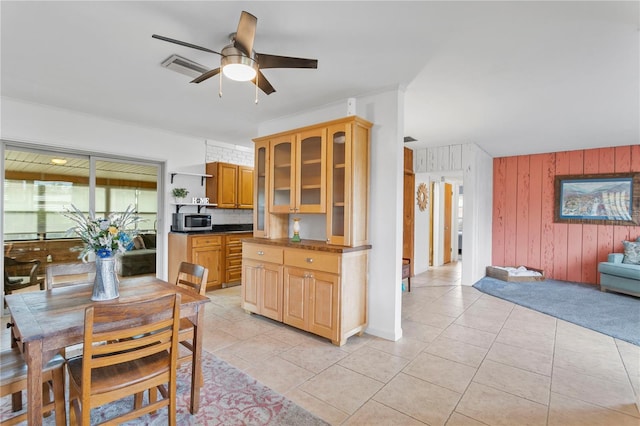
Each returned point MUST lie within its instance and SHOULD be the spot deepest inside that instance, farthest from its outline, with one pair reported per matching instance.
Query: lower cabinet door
(296, 298)
(251, 272)
(210, 258)
(262, 288)
(270, 285)
(323, 306)
(311, 301)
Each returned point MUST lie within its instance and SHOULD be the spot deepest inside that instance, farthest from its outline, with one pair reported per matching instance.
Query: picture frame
(608, 199)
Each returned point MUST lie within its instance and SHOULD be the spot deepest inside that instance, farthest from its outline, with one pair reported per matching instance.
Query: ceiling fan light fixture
(237, 66)
(239, 72)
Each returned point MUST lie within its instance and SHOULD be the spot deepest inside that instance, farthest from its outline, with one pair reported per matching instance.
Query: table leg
(16, 398)
(196, 361)
(33, 358)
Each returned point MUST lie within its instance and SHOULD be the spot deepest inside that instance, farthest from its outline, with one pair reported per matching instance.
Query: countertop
(306, 245)
(221, 230)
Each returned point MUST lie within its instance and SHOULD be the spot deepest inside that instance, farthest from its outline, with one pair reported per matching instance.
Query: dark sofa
(141, 259)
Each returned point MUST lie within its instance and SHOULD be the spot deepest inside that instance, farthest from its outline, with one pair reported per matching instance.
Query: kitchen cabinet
(298, 170)
(230, 185)
(315, 287)
(233, 257)
(265, 223)
(348, 194)
(203, 249)
(321, 169)
(261, 291)
(310, 301)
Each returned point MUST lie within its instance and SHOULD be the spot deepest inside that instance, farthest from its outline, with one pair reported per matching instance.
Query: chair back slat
(193, 277)
(157, 321)
(65, 274)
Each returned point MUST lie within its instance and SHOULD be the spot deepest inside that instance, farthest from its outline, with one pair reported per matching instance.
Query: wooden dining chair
(128, 347)
(19, 274)
(13, 380)
(65, 274)
(192, 277)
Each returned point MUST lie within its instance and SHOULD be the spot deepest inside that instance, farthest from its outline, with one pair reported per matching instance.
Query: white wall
(477, 217)
(52, 128)
(421, 231)
(386, 111)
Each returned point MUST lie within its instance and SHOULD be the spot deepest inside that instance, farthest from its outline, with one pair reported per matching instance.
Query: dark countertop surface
(306, 245)
(222, 229)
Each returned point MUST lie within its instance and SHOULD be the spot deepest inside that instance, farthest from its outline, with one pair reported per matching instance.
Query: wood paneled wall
(523, 201)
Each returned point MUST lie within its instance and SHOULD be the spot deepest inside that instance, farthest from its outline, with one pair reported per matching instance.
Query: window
(39, 185)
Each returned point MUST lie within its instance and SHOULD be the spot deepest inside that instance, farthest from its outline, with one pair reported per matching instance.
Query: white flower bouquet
(103, 236)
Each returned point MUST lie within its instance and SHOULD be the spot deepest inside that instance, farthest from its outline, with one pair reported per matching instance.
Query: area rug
(613, 314)
(228, 397)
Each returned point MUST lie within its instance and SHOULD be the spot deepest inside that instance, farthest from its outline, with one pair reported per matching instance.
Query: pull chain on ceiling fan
(240, 62)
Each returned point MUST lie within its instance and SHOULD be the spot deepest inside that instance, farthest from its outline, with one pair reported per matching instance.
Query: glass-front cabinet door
(260, 223)
(311, 185)
(339, 184)
(282, 194)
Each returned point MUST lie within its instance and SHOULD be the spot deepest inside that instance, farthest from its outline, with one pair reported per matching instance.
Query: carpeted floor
(616, 315)
(228, 397)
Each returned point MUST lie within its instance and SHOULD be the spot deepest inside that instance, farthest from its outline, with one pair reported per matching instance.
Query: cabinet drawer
(263, 253)
(235, 262)
(206, 241)
(310, 259)
(234, 250)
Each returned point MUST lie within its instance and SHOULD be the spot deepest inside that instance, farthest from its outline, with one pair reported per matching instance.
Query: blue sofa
(619, 277)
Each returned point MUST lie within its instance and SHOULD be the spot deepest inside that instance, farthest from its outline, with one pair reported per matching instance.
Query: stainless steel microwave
(191, 222)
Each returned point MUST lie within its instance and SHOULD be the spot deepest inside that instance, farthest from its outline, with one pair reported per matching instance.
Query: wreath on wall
(422, 196)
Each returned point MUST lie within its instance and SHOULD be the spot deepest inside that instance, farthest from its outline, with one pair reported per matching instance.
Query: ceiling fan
(240, 62)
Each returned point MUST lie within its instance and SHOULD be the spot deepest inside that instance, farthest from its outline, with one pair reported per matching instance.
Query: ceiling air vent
(184, 66)
(409, 139)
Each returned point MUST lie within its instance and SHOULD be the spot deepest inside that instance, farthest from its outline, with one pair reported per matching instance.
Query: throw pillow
(631, 252)
(138, 242)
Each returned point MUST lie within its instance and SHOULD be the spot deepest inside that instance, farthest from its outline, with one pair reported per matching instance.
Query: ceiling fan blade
(206, 75)
(246, 33)
(263, 83)
(184, 43)
(273, 61)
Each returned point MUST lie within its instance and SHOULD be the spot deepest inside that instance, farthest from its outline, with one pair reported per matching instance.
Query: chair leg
(46, 397)
(409, 283)
(137, 399)
(74, 412)
(58, 397)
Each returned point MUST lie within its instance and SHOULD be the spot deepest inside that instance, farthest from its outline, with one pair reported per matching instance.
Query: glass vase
(105, 285)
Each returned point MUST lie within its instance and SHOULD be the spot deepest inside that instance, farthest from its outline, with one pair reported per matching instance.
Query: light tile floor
(466, 358)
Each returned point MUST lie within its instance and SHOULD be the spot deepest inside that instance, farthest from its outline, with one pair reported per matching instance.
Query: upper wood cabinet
(298, 169)
(231, 185)
(348, 177)
(322, 169)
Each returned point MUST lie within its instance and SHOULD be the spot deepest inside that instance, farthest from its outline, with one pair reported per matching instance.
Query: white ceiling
(512, 77)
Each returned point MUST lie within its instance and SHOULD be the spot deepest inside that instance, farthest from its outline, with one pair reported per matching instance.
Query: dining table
(44, 322)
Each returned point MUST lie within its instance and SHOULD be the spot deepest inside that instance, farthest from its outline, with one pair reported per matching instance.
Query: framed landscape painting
(605, 198)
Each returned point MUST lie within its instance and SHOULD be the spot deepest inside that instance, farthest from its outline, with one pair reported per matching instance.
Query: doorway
(445, 219)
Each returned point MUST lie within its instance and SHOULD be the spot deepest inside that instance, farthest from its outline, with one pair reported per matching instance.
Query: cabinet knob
(309, 259)
(260, 253)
